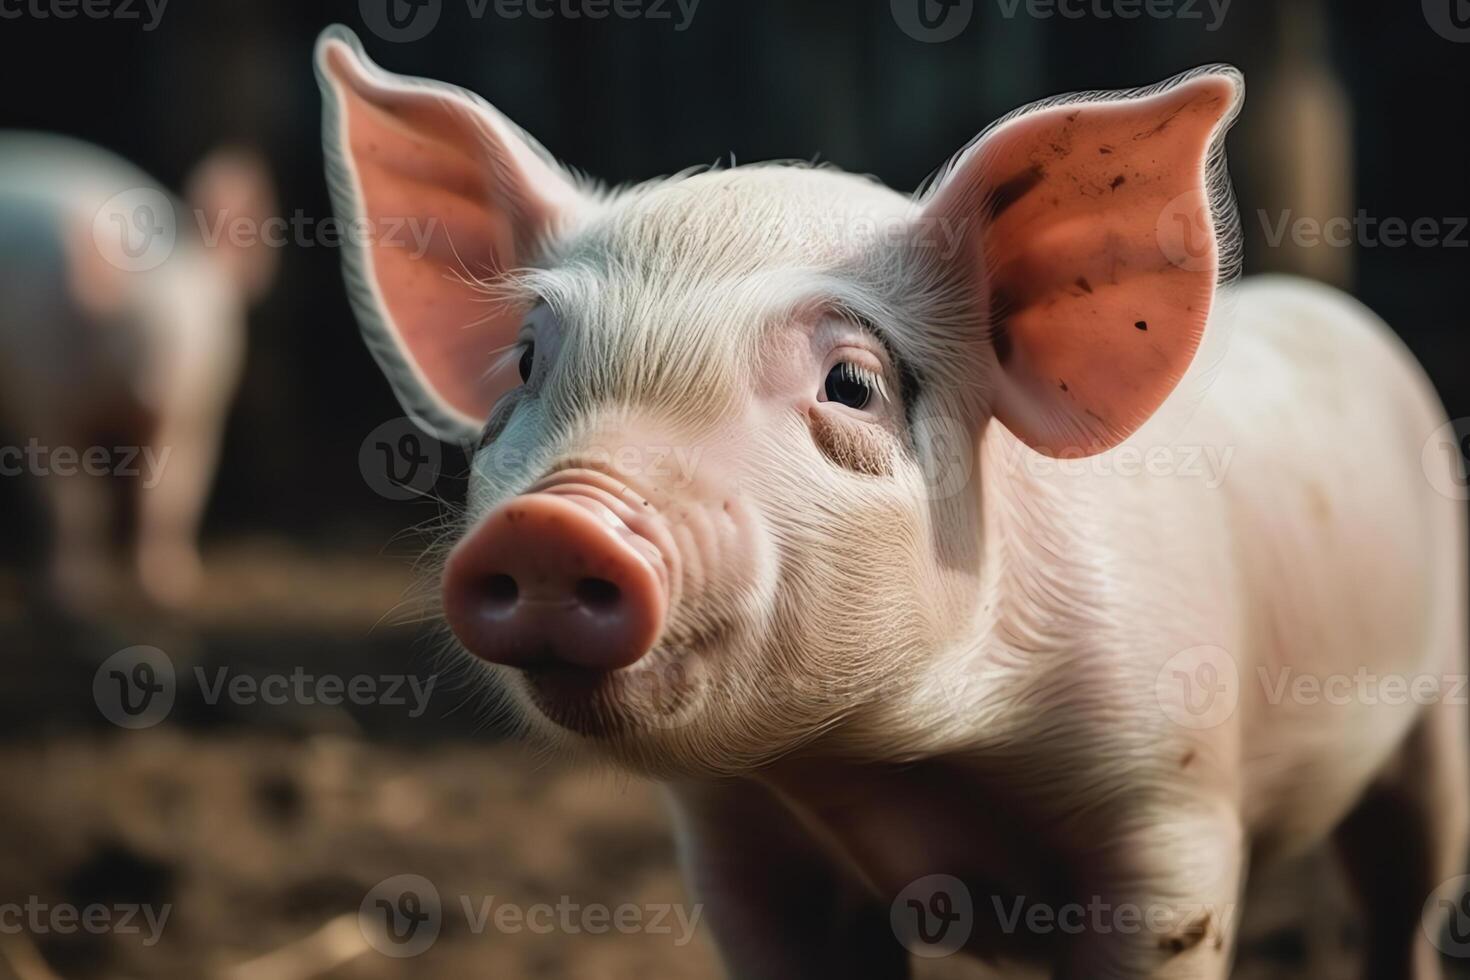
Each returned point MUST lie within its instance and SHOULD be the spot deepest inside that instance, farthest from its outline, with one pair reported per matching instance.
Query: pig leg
(81, 508)
(778, 908)
(1405, 837)
(171, 497)
(1169, 895)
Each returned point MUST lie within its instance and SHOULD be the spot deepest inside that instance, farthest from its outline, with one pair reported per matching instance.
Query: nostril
(501, 591)
(554, 578)
(598, 594)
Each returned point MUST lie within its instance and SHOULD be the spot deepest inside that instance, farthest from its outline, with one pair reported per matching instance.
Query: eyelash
(854, 372)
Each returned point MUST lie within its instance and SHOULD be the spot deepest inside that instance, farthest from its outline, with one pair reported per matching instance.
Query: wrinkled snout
(557, 576)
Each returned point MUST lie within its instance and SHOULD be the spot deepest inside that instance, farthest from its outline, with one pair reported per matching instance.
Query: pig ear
(233, 183)
(1092, 233)
(448, 196)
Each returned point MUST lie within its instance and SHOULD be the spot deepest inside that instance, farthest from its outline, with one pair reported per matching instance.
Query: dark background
(625, 100)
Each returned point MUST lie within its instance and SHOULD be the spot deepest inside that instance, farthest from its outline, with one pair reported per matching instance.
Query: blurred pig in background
(122, 318)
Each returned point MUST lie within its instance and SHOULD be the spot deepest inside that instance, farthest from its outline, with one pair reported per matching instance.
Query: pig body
(1009, 532)
(125, 340)
(1035, 768)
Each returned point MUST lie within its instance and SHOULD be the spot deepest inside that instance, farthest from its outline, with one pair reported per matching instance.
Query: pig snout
(560, 576)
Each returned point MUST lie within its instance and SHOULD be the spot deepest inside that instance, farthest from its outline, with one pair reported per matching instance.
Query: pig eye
(847, 384)
(528, 360)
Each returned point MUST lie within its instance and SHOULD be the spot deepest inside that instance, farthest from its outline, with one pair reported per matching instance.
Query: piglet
(1001, 517)
(122, 317)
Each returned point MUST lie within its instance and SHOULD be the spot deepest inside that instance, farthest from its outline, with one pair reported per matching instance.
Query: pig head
(725, 425)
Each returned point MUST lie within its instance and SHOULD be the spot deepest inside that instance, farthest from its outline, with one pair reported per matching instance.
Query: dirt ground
(269, 834)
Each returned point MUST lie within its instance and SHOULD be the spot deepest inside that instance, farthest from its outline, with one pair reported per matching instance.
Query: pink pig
(122, 318)
(934, 591)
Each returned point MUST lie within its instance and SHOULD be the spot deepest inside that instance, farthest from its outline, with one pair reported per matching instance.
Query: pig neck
(1031, 601)
(1031, 640)
(1044, 566)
